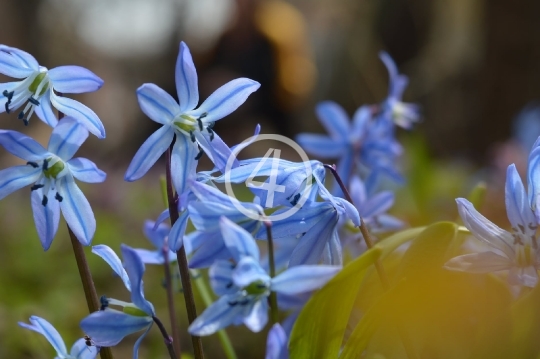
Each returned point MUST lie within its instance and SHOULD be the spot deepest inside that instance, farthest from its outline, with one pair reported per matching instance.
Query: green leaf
(319, 329)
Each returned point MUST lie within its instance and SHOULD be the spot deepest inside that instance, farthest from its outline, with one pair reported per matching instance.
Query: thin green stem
(274, 311)
(166, 337)
(191, 309)
(170, 300)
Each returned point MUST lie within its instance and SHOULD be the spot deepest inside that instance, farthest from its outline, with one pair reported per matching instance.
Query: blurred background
(472, 64)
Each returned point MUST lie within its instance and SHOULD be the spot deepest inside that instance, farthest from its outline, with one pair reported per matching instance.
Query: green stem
(274, 311)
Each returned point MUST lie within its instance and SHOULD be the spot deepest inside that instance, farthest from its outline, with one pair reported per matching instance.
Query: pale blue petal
(66, 138)
(17, 177)
(321, 146)
(484, 229)
(22, 146)
(163, 216)
(533, 179)
(220, 274)
(276, 343)
(46, 217)
(109, 256)
(150, 151)
(299, 222)
(357, 190)
(334, 119)
(485, 262)
(139, 341)
(239, 242)
(386, 222)
(45, 111)
(219, 315)
(205, 215)
(526, 276)
(333, 252)
(86, 171)
(248, 270)
(156, 233)
(518, 209)
(183, 162)
(304, 278)
(390, 64)
(186, 79)
(74, 79)
(12, 66)
(135, 270)
(157, 104)
(212, 248)
(82, 114)
(378, 204)
(349, 210)
(257, 317)
(45, 328)
(108, 327)
(76, 210)
(176, 237)
(153, 257)
(361, 119)
(226, 99)
(23, 57)
(218, 152)
(80, 350)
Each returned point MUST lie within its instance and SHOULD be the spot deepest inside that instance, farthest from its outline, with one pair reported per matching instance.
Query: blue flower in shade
(517, 250)
(192, 126)
(276, 343)
(39, 87)
(108, 327)
(244, 286)
(401, 113)
(53, 172)
(79, 350)
(158, 234)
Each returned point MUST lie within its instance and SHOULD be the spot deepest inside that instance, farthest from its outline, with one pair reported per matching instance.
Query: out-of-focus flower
(38, 87)
(276, 343)
(53, 172)
(79, 350)
(158, 234)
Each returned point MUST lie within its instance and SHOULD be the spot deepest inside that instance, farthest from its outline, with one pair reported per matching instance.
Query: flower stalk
(167, 338)
(274, 312)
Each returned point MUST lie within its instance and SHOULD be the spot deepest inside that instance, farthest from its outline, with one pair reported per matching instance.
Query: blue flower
(276, 343)
(244, 286)
(108, 327)
(79, 350)
(401, 113)
(53, 171)
(38, 87)
(158, 234)
(517, 250)
(192, 126)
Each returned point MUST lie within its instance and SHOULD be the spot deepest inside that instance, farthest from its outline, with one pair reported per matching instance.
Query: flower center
(256, 288)
(52, 169)
(31, 89)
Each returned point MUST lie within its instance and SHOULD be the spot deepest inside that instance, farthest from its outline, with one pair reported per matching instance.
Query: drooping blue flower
(401, 113)
(53, 172)
(107, 327)
(40, 86)
(158, 234)
(244, 286)
(276, 343)
(517, 250)
(79, 350)
(192, 126)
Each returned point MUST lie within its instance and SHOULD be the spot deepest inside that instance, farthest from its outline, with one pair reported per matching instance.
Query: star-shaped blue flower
(39, 87)
(192, 126)
(79, 350)
(53, 172)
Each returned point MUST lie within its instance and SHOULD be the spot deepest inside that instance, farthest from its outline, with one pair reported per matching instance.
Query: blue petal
(361, 119)
(135, 270)
(46, 217)
(257, 317)
(205, 215)
(80, 113)
(220, 275)
(66, 138)
(304, 278)
(239, 242)
(45, 111)
(212, 248)
(226, 99)
(157, 104)
(23, 57)
(217, 316)
(176, 237)
(139, 341)
(321, 146)
(533, 179)
(14, 178)
(276, 343)
(86, 171)
(485, 262)
(518, 209)
(108, 327)
(357, 190)
(109, 256)
(484, 229)
(22, 146)
(154, 257)
(300, 222)
(80, 350)
(156, 233)
(218, 152)
(333, 252)
(334, 119)
(12, 66)
(45, 328)
(186, 80)
(183, 162)
(150, 151)
(74, 79)
(378, 204)
(76, 210)
(248, 270)
(397, 82)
